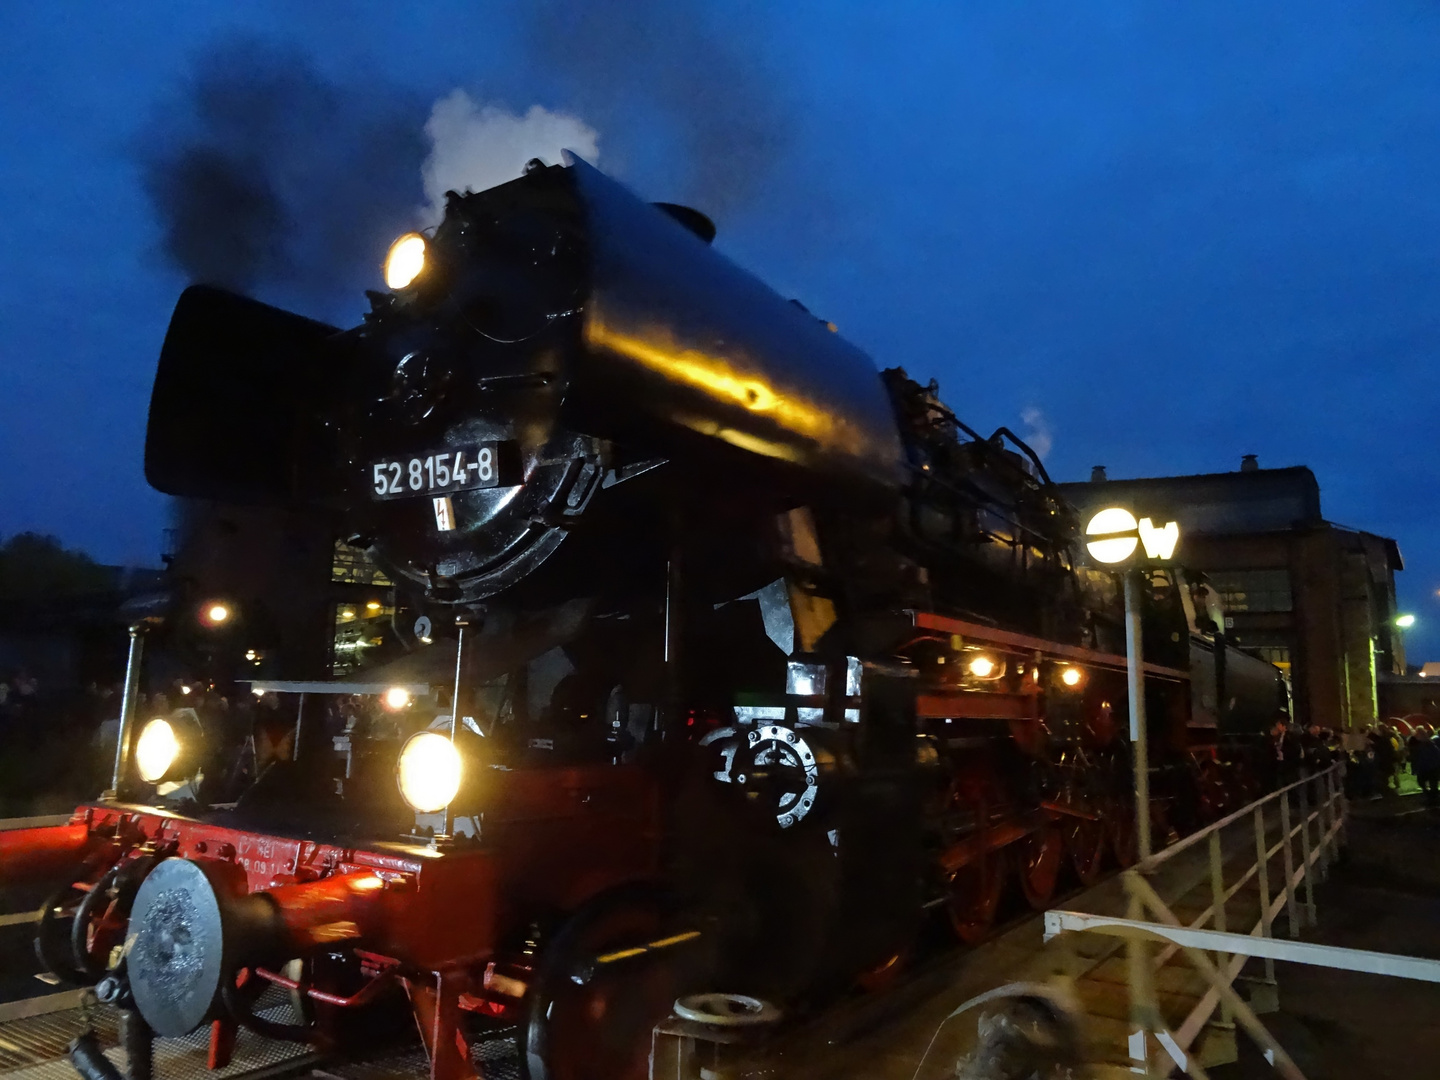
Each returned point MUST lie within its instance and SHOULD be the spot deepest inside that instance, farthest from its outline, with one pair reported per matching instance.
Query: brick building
(1312, 597)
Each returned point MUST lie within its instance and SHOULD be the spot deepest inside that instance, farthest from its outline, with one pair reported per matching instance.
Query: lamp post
(1113, 538)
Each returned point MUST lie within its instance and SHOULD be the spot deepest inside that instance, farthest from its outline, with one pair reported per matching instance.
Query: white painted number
(436, 473)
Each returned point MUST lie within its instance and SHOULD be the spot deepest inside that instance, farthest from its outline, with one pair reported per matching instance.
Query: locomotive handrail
(928, 620)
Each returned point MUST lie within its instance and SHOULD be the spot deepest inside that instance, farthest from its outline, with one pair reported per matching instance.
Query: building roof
(1245, 501)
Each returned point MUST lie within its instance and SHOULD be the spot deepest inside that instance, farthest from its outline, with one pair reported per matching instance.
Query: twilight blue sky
(1182, 232)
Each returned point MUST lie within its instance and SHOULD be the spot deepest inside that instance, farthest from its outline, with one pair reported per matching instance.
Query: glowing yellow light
(217, 613)
(1159, 543)
(428, 772)
(347, 613)
(720, 377)
(1071, 676)
(405, 261)
(156, 750)
(982, 667)
(1405, 621)
(249, 654)
(1111, 548)
(372, 605)
(397, 697)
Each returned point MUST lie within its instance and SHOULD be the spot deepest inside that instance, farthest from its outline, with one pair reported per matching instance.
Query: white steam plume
(1037, 430)
(474, 147)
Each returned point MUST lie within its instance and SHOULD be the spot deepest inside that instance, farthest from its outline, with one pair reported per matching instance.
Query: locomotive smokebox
(560, 337)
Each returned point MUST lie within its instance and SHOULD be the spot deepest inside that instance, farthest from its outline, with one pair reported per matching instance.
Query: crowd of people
(1377, 757)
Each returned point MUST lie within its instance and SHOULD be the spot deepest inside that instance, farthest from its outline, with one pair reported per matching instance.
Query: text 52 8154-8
(462, 469)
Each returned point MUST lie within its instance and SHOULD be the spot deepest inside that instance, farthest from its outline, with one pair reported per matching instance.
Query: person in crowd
(1285, 753)
(1382, 745)
(1315, 749)
(1425, 762)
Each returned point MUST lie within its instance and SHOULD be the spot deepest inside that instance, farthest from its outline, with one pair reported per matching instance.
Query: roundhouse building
(1315, 598)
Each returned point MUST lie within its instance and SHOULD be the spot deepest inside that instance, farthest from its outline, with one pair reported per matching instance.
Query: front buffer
(192, 920)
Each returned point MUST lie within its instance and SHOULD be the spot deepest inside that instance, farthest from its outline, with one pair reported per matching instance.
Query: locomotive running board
(989, 635)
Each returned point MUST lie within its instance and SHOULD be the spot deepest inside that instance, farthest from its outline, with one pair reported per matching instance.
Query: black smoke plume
(266, 175)
(626, 59)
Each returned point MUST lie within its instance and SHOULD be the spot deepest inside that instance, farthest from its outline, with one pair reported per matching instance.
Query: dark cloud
(267, 175)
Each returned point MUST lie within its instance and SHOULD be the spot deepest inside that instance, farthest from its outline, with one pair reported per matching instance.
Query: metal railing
(1304, 825)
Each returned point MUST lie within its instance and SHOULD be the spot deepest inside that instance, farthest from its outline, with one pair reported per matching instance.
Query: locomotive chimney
(1249, 463)
(1097, 474)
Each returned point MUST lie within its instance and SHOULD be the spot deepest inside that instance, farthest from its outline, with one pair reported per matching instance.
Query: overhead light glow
(1405, 621)
(397, 697)
(156, 750)
(428, 772)
(216, 613)
(982, 667)
(405, 261)
(372, 605)
(1072, 676)
(1112, 548)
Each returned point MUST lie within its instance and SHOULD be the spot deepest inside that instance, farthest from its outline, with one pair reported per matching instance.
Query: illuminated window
(354, 565)
(1252, 590)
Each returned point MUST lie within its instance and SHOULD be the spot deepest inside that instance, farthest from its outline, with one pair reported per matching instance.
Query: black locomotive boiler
(765, 652)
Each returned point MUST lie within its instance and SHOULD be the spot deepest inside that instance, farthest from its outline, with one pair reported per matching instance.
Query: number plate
(439, 473)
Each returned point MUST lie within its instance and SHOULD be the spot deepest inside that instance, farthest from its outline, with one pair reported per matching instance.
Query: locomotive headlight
(982, 667)
(428, 772)
(170, 748)
(1072, 676)
(156, 750)
(405, 261)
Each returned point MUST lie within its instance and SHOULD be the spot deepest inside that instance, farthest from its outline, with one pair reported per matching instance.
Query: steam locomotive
(764, 659)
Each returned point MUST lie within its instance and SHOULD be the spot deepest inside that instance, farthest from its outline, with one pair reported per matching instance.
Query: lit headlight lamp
(170, 749)
(405, 261)
(429, 772)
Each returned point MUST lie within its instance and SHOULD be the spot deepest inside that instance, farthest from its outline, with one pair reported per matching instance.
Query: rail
(1306, 837)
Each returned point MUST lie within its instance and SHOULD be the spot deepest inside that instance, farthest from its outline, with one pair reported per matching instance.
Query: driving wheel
(1038, 858)
(587, 1020)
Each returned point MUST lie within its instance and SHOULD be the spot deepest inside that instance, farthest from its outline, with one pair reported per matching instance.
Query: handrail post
(1342, 801)
(1217, 917)
(120, 781)
(1327, 818)
(1291, 909)
(1322, 851)
(1262, 871)
(1144, 1009)
(1305, 875)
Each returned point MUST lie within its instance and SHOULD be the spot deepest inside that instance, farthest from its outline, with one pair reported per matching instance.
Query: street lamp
(1113, 538)
(1405, 621)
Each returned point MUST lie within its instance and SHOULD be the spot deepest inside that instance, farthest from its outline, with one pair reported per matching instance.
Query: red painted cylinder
(38, 853)
(331, 909)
